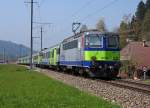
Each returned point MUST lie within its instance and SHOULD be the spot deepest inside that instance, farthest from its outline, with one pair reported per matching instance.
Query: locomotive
(92, 53)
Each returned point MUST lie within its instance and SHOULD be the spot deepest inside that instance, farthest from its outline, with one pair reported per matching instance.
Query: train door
(55, 57)
(40, 57)
(51, 58)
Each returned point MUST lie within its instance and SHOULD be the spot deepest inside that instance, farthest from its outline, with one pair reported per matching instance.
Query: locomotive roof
(91, 32)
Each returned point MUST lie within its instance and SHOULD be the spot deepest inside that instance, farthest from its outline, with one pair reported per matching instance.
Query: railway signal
(145, 71)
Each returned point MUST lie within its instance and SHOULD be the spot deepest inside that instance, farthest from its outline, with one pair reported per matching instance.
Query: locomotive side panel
(71, 52)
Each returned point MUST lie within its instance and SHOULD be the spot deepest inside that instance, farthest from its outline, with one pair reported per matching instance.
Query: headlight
(111, 67)
(100, 67)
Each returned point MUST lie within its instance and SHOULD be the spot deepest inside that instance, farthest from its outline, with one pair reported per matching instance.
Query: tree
(147, 4)
(139, 17)
(83, 28)
(146, 26)
(123, 34)
(140, 13)
(135, 28)
(101, 26)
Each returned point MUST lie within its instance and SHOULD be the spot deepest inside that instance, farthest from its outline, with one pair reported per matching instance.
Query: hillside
(12, 50)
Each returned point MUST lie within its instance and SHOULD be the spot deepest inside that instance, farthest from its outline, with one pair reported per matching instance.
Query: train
(91, 53)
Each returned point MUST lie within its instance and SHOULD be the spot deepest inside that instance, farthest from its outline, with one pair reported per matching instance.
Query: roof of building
(138, 53)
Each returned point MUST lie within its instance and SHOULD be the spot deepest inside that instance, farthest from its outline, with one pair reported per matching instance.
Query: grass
(20, 88)
(147, 81)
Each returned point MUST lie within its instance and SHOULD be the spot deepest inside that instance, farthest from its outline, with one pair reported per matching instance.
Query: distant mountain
(12, 50)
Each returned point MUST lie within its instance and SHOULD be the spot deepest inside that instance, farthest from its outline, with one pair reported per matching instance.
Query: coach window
(47, 54)
(64, 46)
(70, 45)
(58, 50)
(44, 55)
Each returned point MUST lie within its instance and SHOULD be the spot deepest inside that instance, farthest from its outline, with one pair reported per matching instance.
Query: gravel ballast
(125, 97)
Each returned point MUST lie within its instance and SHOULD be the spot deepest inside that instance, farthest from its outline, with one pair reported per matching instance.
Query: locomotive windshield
(93, 41)
(112, 42)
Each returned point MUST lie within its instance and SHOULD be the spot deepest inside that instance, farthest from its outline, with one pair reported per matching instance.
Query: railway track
(124, 95)
(132, 85)
(136, 86)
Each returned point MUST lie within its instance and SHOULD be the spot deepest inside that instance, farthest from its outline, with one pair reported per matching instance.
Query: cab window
(112, 42)
(93, 41)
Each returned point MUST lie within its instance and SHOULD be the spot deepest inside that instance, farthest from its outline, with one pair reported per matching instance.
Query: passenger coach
(89, 53)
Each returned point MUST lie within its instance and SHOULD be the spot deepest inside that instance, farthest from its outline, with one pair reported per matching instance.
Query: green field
(20, 88)
(147, 81)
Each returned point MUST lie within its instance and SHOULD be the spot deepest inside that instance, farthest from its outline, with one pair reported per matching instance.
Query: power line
(39, 9)
(4, 55)
(42, 2)
(78, 11)
(39, 22)
(39, 12)
(83, 7)
(99, 10)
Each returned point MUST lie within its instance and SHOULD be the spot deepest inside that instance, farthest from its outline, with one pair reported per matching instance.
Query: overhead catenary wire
(39, 21)
(83, 7)
(89, 2)
(74, 15)
(99, 10)
(41, 3)
(39, 12)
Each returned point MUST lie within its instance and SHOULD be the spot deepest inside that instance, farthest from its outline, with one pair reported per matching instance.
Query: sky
(15, 18)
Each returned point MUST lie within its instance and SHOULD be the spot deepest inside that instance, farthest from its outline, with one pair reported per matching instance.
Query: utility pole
(41, 30)
(31, 53)
(31, 49)
(4, 55)
(20, 51)
(41, 38)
